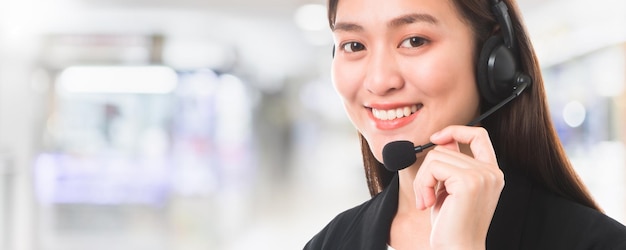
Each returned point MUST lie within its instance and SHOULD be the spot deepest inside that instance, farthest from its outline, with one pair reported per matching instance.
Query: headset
(497, 71)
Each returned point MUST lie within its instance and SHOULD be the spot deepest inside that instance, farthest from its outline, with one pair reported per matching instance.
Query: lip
(390, 124)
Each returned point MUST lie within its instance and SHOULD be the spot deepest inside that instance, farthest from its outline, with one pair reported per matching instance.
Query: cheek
(448, 90)
(345, 81)
(447, 76)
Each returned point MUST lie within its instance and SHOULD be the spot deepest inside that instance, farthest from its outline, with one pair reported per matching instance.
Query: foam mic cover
(398, 155)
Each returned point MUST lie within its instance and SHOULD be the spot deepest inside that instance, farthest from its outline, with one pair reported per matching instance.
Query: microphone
(398, 155)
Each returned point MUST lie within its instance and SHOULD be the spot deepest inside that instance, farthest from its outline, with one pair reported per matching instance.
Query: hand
(462, 191)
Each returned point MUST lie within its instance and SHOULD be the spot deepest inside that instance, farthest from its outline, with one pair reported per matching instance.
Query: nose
(383, 75)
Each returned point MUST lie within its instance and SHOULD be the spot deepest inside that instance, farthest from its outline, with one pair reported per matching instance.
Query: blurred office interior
(206, 124)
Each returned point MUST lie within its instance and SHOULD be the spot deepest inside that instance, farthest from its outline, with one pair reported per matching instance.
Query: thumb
(446, 142)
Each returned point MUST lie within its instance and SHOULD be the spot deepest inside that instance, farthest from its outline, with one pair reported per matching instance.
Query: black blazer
(527, 217)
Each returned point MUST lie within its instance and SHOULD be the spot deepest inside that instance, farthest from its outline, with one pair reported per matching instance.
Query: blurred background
(206, 124)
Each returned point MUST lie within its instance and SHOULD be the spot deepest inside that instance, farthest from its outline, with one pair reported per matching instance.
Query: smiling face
(404, 68)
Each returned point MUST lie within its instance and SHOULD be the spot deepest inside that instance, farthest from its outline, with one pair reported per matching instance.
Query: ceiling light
(118, 79)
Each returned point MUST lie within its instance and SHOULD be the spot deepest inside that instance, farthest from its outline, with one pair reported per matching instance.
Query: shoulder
(365, 226)
(529, 216)
(555, 221)
(339, 227)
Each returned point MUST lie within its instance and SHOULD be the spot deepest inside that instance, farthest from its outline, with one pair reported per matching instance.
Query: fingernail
(435, 135)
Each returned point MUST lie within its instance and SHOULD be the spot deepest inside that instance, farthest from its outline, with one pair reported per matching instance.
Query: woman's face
(404, 68)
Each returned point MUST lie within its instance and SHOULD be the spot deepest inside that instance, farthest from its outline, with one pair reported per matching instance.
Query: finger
(431, 174)
(451, 145)
(476, 137)
(440, 193)
(438, 179)
(453, 157)
(424, 190)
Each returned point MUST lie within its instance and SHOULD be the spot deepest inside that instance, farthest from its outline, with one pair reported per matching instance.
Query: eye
(351, 47)
(413, 42)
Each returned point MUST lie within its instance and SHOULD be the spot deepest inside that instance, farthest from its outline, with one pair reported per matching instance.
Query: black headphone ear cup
(496, 71)
(486, 86)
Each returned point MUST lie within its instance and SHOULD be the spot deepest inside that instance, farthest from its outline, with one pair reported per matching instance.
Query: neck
(406, 194)
(411, 227)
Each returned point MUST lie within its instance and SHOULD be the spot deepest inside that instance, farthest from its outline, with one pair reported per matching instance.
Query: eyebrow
(350, 27)
(412, 18)
(396, 22)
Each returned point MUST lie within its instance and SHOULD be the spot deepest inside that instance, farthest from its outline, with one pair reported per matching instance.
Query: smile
(396, 113)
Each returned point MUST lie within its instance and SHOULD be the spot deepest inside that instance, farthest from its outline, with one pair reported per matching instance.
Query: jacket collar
(379, 216)
(507, 224)
(506, 227)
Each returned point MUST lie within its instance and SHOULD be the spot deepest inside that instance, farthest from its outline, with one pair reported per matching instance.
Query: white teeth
(394, 113)
(406, 111)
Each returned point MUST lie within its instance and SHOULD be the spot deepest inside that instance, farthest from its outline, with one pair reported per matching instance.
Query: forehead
(375, 11)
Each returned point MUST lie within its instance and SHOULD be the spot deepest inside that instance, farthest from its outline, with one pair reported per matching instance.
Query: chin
(378, 152)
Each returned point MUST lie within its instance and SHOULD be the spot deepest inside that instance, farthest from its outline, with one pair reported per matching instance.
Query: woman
(418, 70)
